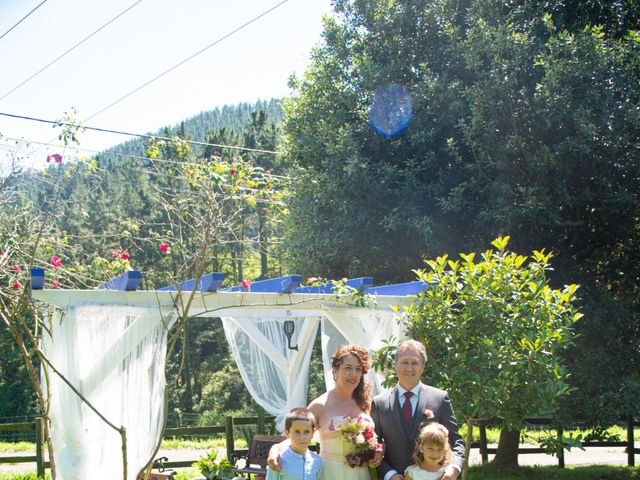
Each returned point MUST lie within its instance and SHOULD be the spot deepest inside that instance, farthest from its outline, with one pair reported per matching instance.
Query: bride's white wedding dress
(334, 450)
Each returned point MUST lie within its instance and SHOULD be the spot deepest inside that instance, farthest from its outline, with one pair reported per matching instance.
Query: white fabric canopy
(275, 376)
(115, 357)
(366, 327)
(111, 346)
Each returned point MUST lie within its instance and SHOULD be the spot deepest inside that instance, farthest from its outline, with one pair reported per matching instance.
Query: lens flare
(391, 110)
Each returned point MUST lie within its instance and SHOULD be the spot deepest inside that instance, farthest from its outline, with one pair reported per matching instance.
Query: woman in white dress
(348, 403)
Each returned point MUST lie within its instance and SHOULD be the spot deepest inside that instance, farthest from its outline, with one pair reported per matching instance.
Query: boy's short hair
(299, 414)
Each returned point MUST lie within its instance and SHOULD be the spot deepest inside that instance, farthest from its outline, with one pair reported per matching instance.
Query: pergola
(110, 345)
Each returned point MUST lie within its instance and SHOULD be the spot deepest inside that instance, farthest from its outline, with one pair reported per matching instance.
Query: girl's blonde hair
(436, 434)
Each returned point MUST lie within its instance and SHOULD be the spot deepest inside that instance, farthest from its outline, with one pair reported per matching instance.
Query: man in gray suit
(397, 423)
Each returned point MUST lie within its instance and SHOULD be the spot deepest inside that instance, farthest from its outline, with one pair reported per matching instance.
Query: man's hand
(274, 460)
(451, 473)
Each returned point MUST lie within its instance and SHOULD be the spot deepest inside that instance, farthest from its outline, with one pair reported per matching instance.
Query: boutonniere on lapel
(428, 413)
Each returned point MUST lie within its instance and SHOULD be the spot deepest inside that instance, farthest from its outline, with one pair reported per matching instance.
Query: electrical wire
(224, 37)
(160, 160)
(68, 51)
(173, 68)
(140, 135)
(23, 18)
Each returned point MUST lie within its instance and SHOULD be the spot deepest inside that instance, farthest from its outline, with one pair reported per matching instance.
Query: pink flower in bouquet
(428, 412)
(360, 433)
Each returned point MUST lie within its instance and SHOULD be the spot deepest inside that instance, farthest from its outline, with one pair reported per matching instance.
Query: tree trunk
(467, 449)
(264, 243)
(507, 453)
(187, 399)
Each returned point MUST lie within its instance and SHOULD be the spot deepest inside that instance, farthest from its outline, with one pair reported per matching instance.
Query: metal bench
(255, 463)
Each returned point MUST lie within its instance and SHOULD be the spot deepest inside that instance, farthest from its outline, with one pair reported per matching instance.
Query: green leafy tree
(494, 331)
(525, 122)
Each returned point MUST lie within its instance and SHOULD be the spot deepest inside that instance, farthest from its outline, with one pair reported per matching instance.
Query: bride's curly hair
(362, 394)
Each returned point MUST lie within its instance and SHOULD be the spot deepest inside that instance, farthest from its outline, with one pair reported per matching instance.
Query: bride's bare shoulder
(318, 407)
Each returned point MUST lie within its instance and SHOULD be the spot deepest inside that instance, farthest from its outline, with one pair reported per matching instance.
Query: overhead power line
(23, 18)
(68, 51)
(140, 135)
(186, 60)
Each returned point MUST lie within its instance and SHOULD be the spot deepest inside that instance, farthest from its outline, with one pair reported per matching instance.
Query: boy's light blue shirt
(297, 467)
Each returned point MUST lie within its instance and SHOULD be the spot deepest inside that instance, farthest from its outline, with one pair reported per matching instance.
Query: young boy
(298, 462)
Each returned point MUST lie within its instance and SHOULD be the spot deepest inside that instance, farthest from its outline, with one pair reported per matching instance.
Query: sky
(149, 38)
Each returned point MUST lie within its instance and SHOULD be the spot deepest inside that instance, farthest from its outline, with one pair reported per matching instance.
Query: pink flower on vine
(55, 261)
(16, 285)
(115, 253)
(56, 283)
(57, 157)
(164, 247)
(246, 284)
(48, 158)
(125, 255)
(16, 268)
(232, 171)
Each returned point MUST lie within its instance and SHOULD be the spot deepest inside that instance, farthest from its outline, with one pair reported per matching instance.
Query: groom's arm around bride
(399, 412)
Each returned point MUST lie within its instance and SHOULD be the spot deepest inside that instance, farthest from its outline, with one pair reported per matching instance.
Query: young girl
(431, 455)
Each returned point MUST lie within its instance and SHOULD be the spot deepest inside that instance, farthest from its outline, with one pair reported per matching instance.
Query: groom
(398, 423)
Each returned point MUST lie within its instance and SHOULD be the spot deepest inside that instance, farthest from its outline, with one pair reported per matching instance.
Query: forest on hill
(512, 118)
(103, 204)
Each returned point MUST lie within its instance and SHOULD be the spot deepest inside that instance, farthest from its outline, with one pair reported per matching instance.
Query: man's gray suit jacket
(400, 441)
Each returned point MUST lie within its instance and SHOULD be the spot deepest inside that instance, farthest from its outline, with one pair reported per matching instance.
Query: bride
(347, 403)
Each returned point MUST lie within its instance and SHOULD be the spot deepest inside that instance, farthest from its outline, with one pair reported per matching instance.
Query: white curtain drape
(114, 356)
(275, 376)
(366, 327)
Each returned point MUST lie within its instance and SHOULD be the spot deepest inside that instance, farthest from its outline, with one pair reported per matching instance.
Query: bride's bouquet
(360, 433)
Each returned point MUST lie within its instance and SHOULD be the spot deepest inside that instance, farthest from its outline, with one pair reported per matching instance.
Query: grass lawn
(167, 443)
(599, 472)
(493, 434)
(480, 473)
